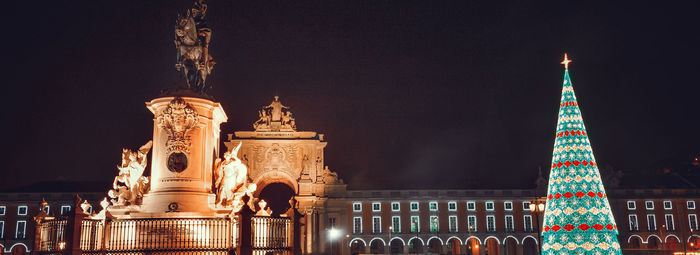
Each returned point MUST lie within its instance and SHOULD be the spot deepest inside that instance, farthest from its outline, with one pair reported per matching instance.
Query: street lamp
(537, 207)
(333, 233)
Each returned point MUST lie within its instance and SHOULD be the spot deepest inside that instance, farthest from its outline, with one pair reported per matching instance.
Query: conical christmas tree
(577, 217)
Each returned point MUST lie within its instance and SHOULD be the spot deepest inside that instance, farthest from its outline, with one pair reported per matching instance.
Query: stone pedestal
(185, 144)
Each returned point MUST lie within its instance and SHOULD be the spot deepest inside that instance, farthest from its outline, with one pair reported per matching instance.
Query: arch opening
(277, 196)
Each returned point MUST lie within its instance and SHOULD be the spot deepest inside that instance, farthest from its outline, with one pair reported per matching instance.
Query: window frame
(398, 206)
(512, 223)
(670, 205)
(430, 206)
(4, 209)
(646, 204)
(672, 226)
(473, 204)
(19, 210)
(356, 206)
(354, 225)
(379, 225)
(688, 203)
(505, 205)
(24, 230)
(492, 219)
(437, 223)
(417, 206)
(633, 203)
(2, 229)
(376, 204)
(527, 228)
(450, 205)
(395, 229)
(475, 226)
(417, 222)
(67, 211)
(526, 206)
(450, 229)
(649, 222)
(693, 220)
(493, 205)
(634, 227)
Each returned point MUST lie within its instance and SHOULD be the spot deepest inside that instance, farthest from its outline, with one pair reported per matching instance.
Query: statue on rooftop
(192, 37)
(130, 184)
(275, 117)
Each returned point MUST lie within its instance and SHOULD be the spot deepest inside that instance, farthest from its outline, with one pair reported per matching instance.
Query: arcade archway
(277, 196)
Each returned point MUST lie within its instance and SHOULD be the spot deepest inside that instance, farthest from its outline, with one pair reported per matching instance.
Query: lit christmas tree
(577, 217)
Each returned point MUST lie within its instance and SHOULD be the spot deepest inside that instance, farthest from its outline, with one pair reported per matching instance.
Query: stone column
(519, 249)
(502, 249)
(309, 232)
(185, 140)
(405, 249)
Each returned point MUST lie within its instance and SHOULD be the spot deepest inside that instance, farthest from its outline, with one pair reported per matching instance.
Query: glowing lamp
(333, 233)
(476, 246)
(61, 246)
(532, 207)
(541, 206)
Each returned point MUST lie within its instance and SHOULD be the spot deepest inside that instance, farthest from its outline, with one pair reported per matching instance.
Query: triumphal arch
(275, 152)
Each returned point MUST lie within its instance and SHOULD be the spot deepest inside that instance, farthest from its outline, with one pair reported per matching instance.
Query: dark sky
(436, 94)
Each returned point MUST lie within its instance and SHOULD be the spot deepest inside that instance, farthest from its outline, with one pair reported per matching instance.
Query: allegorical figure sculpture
(232, 180)
(275, 117)
(129, 186)
(192, 37)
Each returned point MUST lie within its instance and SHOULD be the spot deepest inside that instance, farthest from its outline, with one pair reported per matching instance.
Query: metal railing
(170, 234)
(52, 234)
(271, 234)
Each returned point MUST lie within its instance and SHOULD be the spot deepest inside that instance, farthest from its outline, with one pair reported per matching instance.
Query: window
(331, 222)
(453, 224)
(509, 223)
(415, 224)
(452, 206)
(65, 209)
(633, 222)
(46, 209)
(693, 221)
(414, 206)
(395, 206)
(471, 223)
(471, 206)
(434, 224)
(376, 207)
(690, 204)
(526, 206)
(649, 205)
(2, 229)
(22, 210)
(396, 224)
(357, 207)
(651, 222)
(433, 206)
(491, 223)
(668, 205)
(89, 210)
(527, 222)
(2, 210)
(357, 225)
(669, 222)
(21, 229)
(376, 224)
(631, 205)
(489, 206)
(508, 206)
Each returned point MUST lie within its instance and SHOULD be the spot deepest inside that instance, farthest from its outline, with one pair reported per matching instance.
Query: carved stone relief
(178, 119)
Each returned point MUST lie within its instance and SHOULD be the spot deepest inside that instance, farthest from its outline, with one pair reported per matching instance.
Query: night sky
(410, 94)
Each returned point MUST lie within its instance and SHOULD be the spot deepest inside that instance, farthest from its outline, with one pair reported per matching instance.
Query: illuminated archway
(376, 246)
(396, 245)
(473, 245)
